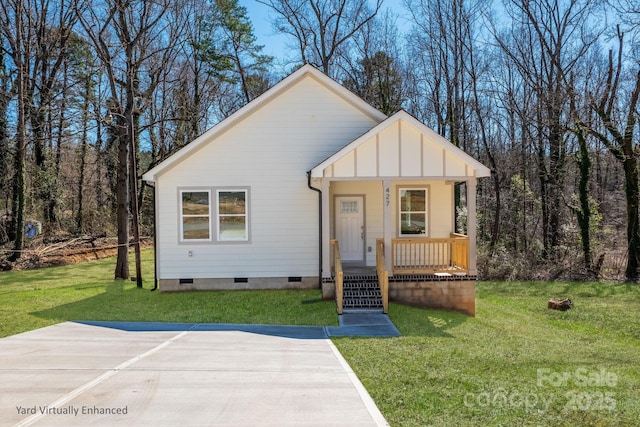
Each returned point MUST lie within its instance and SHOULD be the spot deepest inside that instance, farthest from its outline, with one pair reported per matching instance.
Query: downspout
(153, 235)
(319, 191)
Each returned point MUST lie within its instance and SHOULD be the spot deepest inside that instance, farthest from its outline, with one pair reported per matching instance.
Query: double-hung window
(214, 215)
(232, 224)
(195, 208)
(413, 213)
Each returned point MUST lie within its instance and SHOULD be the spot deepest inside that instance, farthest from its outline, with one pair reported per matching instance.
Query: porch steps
(361, 292)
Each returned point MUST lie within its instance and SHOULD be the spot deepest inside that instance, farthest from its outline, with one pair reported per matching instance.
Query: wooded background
(544, 92)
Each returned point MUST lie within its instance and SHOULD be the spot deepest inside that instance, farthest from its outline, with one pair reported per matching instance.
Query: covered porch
(399, 205)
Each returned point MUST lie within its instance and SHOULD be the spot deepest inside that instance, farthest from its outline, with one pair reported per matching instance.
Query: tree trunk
(584, 212)
(82, 157)
(122, 200)
(633, 233)
(19, 191)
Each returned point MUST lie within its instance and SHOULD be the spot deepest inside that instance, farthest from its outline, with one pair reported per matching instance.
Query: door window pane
(350, 206)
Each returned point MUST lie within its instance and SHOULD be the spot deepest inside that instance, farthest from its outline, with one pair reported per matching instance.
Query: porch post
(471, 225)
(326, 230)
(387, 201)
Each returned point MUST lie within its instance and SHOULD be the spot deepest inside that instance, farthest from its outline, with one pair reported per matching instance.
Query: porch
(394, 198)
(426, 272)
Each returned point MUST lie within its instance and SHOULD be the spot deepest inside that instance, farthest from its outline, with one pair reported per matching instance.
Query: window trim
(427, 217)
(214, 214)
(219, 215)
(182, 216)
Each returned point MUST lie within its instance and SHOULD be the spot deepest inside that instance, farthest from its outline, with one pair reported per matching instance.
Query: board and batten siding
(268, 151)
(401, 150)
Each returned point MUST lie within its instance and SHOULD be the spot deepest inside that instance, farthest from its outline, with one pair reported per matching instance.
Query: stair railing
(339, 274)
(383, 275)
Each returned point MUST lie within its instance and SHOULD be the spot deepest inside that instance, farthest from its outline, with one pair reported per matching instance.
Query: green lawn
(36, 298)
(515, 363)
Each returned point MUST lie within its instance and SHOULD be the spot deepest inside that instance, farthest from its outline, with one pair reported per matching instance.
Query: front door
(350, 227)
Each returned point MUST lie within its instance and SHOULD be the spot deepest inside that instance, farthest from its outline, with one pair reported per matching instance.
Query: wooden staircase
(362, 292)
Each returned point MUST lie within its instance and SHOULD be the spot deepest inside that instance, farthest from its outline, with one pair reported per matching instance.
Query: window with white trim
(232, 224)
(216, 214)
(413, 215)
(195, 215)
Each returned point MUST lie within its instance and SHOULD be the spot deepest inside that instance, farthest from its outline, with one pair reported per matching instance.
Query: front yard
(515, 363)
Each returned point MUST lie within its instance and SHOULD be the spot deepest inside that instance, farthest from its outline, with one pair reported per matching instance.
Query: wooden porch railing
(383, 275)
(430, 255)
(339, 274)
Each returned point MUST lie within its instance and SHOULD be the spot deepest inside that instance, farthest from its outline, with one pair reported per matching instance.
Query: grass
(37, 298)
(515, 363)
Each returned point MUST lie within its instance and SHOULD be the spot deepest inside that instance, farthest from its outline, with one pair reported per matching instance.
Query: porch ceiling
(400, 147)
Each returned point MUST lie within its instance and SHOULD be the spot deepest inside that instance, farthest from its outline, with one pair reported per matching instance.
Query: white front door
(350, 227)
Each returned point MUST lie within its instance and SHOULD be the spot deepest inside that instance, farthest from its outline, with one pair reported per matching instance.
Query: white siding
(399, 150)
(346, 166)
(367, 158)
(454, 166)
(410, 151)
(433, 160)
(268, 151)
(389, 152)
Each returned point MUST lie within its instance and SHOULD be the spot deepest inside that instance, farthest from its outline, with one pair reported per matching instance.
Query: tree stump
(561, 304)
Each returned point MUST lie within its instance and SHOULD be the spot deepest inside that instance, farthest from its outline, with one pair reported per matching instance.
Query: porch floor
(358, 270)
(361, 270)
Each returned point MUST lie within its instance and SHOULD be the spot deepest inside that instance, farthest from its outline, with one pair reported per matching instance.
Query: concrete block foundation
(447, 293)
(225, 284)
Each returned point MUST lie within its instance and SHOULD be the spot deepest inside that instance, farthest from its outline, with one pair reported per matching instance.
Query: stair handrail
(339, 274)
(383, 275)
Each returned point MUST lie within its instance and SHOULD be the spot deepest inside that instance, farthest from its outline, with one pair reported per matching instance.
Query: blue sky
(276, 44)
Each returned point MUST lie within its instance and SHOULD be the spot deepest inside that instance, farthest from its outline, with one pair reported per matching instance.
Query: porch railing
(383, 275)
(430, 255)
(339, 274)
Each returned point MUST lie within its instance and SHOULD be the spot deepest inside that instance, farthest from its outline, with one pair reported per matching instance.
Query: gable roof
(400, 146)
(306, 71)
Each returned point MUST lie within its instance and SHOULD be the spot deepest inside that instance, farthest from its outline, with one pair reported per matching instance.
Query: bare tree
(374, 68)
(125, 34)
(618, 114)
(5, 97)
(441, 40)
(18, 34)
(321, 28)
(553, 36)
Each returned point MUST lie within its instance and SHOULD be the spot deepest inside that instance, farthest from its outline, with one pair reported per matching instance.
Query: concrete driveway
(148, 374)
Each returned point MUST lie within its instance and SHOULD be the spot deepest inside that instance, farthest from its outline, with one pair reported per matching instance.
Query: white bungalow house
(309, 186)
